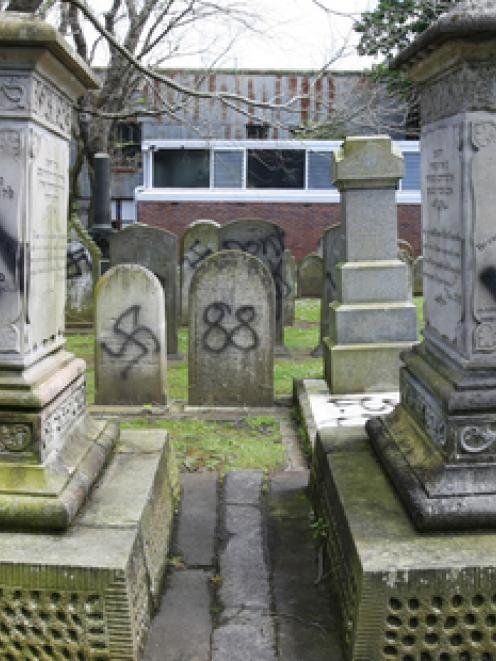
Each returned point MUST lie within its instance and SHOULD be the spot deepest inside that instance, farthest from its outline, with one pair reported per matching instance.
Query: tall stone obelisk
(439, 445)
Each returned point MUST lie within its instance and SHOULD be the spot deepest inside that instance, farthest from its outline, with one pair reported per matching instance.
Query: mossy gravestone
(156, 250)
(130, 353)
(200, 240)
(289, 271)
(231, 332)
(264, 240)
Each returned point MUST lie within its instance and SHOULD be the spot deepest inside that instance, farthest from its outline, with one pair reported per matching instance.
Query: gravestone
(79, 298)
(372, 319)
(200, 240)
(311, 277)
(231, 332)
(405, 254)
(80, 574)
(130, 354)
(264, 240)
(156, 250)
(333, 253)
(289, 271)
(418, 279)
(439, 446)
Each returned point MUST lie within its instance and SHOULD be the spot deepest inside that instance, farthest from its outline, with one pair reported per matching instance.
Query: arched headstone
(79, 294)
(200, 240)
(231, 332)
(130, 353)
(156, 250)
(311, 277)
(289, 271)
(264, 240)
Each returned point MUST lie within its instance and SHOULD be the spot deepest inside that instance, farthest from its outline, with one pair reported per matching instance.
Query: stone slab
(322, 411)
(198, 519)
(243, 487)
(362, 368)
(85, 593)
(181, 629)
(401, 594)
(246, 637)
(366, 282)
(373, 322)
(307, 627)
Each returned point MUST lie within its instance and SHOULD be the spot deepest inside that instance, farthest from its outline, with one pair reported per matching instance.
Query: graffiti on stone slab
(196, 253)
(140, 337)
(217, 338)
(9, 258)
(343, 412)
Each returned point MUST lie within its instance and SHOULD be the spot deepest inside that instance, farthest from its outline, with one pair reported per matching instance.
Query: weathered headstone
(418, 278)
(200, 240)
(405, 254)
(439, 446)
(231, 332)
(373, 318)
(311, 277)
(333, 253)
(289, 271)
(264, 240)
(77, 582)
(130, 354)
(156, 250)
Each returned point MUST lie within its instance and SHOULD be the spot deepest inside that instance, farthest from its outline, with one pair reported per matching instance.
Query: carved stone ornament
(469, 88)
(10, 142)
(475, 440)
(15, 437)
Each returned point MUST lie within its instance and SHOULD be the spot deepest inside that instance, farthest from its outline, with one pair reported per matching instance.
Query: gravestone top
(469, 18)
(29, 32)
(366, 162)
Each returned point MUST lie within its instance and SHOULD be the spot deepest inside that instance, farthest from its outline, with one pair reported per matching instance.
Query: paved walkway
(241, 582)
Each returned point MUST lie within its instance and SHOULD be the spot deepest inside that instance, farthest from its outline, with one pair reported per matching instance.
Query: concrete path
(241, 581)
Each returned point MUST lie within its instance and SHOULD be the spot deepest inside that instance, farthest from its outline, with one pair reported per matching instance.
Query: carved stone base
(51, 451)
(400, 594)
(89, 592)
(439, 445)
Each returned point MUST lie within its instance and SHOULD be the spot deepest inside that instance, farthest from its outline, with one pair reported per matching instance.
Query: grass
(249, 442)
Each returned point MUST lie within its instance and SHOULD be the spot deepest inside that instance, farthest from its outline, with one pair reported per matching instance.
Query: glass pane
(412, 171)
(320, 169)
(276, 168)
(181, 168)
(228, 169)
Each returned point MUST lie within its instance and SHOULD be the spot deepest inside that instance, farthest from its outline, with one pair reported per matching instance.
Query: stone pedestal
(50, 451)
(439, 446)
(372, 319)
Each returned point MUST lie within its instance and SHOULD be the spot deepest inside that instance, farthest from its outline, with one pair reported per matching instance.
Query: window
(320, 169)
(126, 145)
(228, 169)
(275, 168)
(411, 180)
(181, 168)
(257, 131)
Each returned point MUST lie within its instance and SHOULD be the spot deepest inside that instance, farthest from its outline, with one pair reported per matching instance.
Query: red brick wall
(303, 223)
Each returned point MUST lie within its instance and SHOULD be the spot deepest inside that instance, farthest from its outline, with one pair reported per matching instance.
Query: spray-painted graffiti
(196, 254)
(130, 339)
(270, 250)
(78, 257)
(10, 259)
(217, 338)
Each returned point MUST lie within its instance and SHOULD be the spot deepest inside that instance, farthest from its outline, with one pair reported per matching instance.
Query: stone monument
(264, 240)
(289, 278)
(373, 318)
(231, 332)
(311, 277)
(199, 241)
(156, 250)
(439, 445)
(332, 242)
(130, 354)
(75, 582)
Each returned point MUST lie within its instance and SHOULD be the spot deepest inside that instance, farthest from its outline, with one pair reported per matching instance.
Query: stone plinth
(231, 332)
(90, 591)
(400, 594)
(372, 319)
(50, 450)
(439, 446)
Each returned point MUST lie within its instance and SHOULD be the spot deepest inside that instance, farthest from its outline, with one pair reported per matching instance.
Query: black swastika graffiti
(217, 339)
(76, 257)
(196, 254)
(130, 339)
